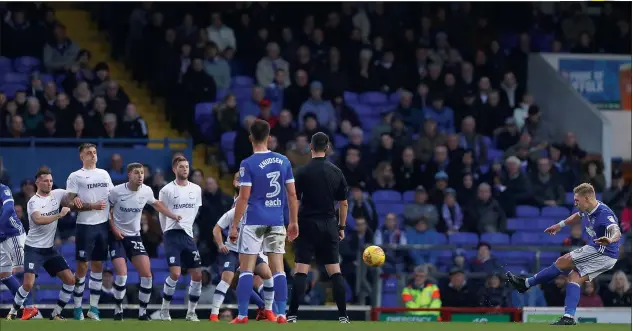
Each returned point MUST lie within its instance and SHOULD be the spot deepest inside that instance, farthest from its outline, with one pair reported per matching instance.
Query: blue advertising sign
(602, 82)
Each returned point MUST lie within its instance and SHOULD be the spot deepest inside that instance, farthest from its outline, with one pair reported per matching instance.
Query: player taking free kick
(583, 264)
(261, 178)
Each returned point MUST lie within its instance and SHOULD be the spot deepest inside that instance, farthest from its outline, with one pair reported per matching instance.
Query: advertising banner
(605, 82)
(480, 318)
(407, 318)
(583, 315)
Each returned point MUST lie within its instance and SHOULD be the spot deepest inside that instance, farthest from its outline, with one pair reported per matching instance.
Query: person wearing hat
(484, 261)
(443, 115)
(452, 214)
(494, 294)
(458, 292)
(436, 194)
(323, 109)
(422, 293)
(49, 129)
(508, 135)
(420, 208)
(266, 113)
(423, 234)
(542, 131)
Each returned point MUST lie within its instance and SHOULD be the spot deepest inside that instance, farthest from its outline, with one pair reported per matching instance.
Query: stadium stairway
(83, 31)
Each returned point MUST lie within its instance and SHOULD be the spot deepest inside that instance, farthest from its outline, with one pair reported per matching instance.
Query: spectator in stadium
(443, 115)
(116, 98)
(158, 181)
(593, 174)
(618, 293)
(548, 191)
(384, 126)
(420, 208)
(390, 233)
(214, 204)
(493, 115)
(354, 170)
(408, 170)
(470, 139)
(284, 130)
(198, 86)
(507, 135)
(459, 260)
(27, 191)
(485, 214)
(511, 91)
(458, 292)
(515, 184)
(82, 97)
(590, 297)
(494, 294)
(100, 82)
(452, 218)
(269, 65)
(422, 293)
(252, 106)
(242, 145)
(275, 91)
(387, 150)
(226, 115)
(18, 29)
(273, 144)
(466, 165)
(151, 233)
(411, 115)
(299, 154)
(439, 162)
(60, 53)
(217, 67)
(361, 205)
(484, 261)
(323, 109)
(133, 125)
(555, 292)
(436, 193)
(423, 234)
(350, 247)
(400, 133)
(383, 177)
(116, 169)
(33, 117)
(532, 298)
(219, 33)
(16, 129)
(541, 131)
(429, 139)
(297, 93)
(9, 110)
(79, 128)
(266, 113)
(343, 111)
(520, 113)
(575, 238)
(619, 194)
(107, 288)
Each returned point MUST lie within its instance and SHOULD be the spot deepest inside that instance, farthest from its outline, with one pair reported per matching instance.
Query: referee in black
(320, 185)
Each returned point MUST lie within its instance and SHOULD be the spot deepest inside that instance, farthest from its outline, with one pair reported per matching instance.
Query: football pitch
(180, 325)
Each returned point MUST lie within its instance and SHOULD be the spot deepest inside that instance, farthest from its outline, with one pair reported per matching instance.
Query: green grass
(180, 325)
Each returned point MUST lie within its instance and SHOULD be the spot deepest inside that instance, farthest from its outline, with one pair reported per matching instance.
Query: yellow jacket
(427, 296)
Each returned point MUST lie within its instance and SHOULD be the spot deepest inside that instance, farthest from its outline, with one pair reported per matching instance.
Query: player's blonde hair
(585, 189)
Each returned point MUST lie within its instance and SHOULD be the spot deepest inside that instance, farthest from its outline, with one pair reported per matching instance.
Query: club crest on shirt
(7, 192)
(140, 199)
(192, 195)
(241, 171)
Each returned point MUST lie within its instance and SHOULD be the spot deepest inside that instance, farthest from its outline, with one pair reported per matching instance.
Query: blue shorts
(128, 247)
(181, 250)
(49, 258)
(92, 242)
(231, 261)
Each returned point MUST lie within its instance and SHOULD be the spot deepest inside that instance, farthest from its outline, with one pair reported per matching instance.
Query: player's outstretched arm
(43, 220)
(572, 219)
(160, 207)
(612, 235)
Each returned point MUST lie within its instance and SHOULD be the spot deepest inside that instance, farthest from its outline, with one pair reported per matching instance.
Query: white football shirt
(43, 236)
(224, 222)
(127, 207)
(91, 186)
(183, 201)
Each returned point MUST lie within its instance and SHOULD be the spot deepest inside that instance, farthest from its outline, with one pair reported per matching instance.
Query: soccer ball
(374, 256)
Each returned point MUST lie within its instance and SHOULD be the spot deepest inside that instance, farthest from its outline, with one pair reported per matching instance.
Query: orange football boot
(237, 320)
(29, 312)
(282, 319)
(214, 318)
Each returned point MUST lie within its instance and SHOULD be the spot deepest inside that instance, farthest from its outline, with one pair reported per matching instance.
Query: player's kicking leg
(274, 248)
(522, 284)
(268, 288)
(12, 271)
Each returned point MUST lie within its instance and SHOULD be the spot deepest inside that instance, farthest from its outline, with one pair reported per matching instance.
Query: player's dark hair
(134, 165)
(86, 146)
(177, 160)
(260, 130)
(42, 172)
(319, 142)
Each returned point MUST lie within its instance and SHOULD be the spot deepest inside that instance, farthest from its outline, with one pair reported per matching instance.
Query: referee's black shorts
(318, 239)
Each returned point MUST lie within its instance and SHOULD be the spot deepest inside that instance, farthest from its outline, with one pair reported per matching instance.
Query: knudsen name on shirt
(50, 213)
(184, 205)
(130, 210)
(269, 161)
(97, 185)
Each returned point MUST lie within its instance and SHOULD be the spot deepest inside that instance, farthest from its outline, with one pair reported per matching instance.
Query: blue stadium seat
(159, 277)
(242, 81)
(526, 238)
(463, 238)
(67, 249)
(518, 224)
(242, 93)
(368, 123)
(203, 111)
(515, 257)
(161, 251)
(390, 295)
(569, 198)
(362, 110)
(516, 269)
(340, 141)
(159, 264)
(227, 140)
(5, 66)
(599, 196)
(15, 78)
(10, 89)
(220, 94)
(133, 277)
(408, 196)
(26, 64)
(385, 208)
(527, 211)
(548, 258)
(373, 98)
(350, 97)
(386, 196)
(47, 296)
(556, 211)
(394, 98)
(43, 278)
(494, 154)
(6, 297)
(495, 238)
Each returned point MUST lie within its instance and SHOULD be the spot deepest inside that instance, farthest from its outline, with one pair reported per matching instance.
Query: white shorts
(591, 263)
(12, 253)
(262, 238)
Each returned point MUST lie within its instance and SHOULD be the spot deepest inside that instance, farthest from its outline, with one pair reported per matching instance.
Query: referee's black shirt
(320, 185)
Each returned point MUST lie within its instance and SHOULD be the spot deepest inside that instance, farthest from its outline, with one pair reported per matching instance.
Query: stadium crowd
(448, 121)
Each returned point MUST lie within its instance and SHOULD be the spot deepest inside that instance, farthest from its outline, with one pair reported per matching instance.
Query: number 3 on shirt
(274, 183)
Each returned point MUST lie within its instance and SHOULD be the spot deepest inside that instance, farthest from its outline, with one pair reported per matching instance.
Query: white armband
(562, 224)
